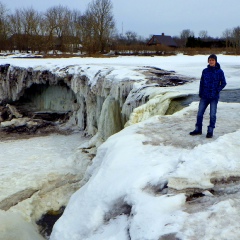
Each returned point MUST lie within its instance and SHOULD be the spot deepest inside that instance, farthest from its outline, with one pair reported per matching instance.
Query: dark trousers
(203, 104)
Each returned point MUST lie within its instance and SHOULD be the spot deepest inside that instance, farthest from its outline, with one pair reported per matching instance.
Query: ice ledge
(179, 183)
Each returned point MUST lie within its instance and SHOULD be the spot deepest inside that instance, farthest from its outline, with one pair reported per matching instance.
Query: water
(225, 96)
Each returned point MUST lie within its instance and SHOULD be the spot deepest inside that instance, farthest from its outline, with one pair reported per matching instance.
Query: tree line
(230, 39)
(58, 28)
(65, 30)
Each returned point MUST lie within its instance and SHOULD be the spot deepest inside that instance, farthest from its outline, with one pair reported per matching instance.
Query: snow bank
(137, 174)
(39, 173)
(13, 226)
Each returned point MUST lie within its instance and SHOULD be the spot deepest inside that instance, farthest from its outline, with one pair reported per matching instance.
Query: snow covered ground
(186, 65)
(141, 177)
(152, 180)
(25, 162)
(37, 174)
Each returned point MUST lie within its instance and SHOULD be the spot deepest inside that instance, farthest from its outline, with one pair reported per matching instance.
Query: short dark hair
(213, 56)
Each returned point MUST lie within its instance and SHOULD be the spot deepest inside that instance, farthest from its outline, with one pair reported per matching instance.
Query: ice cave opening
(41, 107)
(48, 102)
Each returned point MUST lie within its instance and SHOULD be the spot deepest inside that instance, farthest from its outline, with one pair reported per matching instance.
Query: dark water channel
(225, 96)
(177, 104)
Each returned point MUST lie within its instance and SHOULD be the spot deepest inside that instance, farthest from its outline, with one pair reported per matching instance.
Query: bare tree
(131, 37)
(25, 28)
(227, 35)
(31, 20)
(4, 29)
(236, 37)
(16, 30)
(57, 21)
(15, 22)
(184, 35)
(57, 29)
(203, 34)
(75, 30)
(3, 12)
(99, 13)
(88, 33)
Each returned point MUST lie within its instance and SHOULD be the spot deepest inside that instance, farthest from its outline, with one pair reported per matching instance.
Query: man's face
(212, 62)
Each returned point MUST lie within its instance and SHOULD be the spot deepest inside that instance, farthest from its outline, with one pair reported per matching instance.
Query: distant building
(162, 40)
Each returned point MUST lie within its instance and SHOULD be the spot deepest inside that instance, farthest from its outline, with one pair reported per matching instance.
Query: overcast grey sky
(146, 17)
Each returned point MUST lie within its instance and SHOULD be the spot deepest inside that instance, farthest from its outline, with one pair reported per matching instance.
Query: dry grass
(144, 50)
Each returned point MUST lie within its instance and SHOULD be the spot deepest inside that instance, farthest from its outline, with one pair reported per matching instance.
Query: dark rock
(48, 220)
(4, 68)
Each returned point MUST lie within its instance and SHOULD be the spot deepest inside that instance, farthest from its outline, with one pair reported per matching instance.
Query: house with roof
(162, 40)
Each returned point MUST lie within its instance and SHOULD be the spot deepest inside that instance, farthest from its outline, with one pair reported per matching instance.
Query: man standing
(211, 83)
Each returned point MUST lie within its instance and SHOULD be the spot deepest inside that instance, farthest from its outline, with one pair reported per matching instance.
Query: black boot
(209, 135)
(209, 132)
(197, 131)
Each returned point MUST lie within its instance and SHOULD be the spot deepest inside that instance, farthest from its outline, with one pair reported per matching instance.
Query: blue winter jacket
(212, 82)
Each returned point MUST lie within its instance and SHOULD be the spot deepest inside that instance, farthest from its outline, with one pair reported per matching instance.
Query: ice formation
(144, 180)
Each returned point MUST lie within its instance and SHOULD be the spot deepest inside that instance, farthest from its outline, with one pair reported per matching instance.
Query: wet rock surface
(163, 78)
